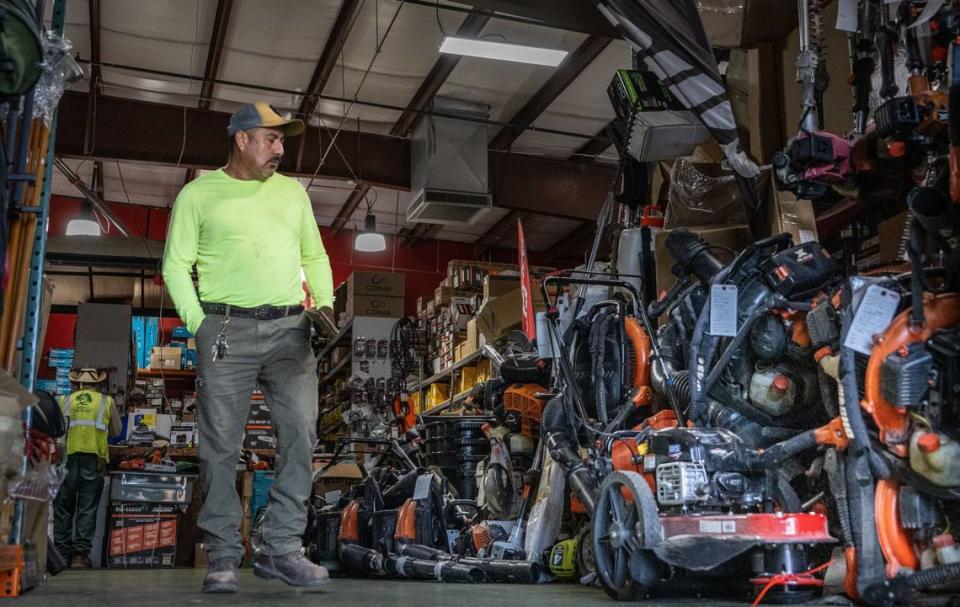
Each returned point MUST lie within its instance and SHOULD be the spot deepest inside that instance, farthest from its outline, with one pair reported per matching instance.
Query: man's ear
(240, 138)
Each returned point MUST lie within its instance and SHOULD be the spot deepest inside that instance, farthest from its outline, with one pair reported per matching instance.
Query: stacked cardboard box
(145, 330)
(374, 294)
(61, 359)
(166, 358)
(468, 286)
(143, 535)
(259, 429)
(153, 390)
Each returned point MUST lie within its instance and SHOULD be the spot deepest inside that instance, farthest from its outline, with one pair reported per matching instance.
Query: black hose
(554, 417)
(733, 347)
(782, 451)
(553, 425)
(419, 551)
(693, 255)
(861, 483)
(897, 591)
(696, 364)
(598, 342)
(928, 578)
(837, 481)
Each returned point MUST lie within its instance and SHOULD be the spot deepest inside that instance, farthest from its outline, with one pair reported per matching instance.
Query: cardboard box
(259, 414)
(495, 285)
(505, 313)
(143, 535)
(375, 305)
(259, 437)
(665, 135)
(339, 477)
(144, 417)
(436, 394)
(743, 23)
(183, 434)
(734, 237)
(165, 358)
(472, 342)
(381, 284)
(468, 379)
(787, 214)
(461, 311)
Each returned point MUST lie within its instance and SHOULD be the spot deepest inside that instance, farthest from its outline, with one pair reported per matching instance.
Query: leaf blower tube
(370, 562)
(674, 368)
(693, 254)
(554, 428)
(511, 572)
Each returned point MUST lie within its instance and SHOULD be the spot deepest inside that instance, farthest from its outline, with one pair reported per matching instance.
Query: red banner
(526, 295)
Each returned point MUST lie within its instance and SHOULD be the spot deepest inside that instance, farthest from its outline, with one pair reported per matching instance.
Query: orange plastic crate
(11, 567)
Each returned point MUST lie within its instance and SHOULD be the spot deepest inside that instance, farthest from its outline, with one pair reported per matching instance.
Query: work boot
(80, 561)
(293, 569)
(221, 576)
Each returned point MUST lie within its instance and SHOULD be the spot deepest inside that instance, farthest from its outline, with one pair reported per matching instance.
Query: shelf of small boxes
(476, 302)
(365, 296)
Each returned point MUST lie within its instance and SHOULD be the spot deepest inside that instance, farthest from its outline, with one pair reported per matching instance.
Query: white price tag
(723, 310)
(847, 16)
(422, 489)
(872, 318)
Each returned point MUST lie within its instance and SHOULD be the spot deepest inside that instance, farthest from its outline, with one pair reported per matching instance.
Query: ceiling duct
(449, 165)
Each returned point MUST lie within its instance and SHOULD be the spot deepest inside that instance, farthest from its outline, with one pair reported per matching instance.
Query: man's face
(261, 150)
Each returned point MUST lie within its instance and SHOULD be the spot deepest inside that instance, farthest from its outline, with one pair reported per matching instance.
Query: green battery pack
(639, 91)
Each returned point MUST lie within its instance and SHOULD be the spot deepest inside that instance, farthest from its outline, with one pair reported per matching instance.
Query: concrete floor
(174, 587)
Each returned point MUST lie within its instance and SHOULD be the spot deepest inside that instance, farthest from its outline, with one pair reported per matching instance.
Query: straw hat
(88, 376)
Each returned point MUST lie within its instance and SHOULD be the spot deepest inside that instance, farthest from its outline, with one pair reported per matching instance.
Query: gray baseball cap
(260, 114)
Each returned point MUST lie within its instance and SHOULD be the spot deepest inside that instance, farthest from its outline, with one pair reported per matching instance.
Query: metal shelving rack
(446, 375)
(29, 344)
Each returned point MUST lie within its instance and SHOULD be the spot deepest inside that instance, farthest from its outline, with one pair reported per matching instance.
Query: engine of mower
(703, 470)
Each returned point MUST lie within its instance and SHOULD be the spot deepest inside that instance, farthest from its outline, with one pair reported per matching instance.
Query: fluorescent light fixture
(485, 49)
(369, 240)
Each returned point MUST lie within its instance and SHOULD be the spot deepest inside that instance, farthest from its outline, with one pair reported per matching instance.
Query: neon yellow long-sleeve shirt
(249, 239)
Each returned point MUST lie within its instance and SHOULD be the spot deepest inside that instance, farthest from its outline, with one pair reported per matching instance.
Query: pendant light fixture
(369, 240)
(85, 223)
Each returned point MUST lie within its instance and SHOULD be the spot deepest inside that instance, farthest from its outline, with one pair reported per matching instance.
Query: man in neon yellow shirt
(249, 230)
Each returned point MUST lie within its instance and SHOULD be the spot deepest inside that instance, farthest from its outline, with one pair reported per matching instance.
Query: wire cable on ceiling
(377, 50)
(193, 48)
(355, 101)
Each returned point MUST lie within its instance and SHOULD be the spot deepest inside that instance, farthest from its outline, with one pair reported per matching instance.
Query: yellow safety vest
(87, 413)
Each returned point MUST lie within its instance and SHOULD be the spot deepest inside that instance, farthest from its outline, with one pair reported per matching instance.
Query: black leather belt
(260, 313)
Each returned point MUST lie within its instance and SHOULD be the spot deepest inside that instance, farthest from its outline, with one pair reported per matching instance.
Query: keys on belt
(221, 345)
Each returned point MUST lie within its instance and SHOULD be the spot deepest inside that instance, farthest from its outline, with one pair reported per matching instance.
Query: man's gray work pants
(275, 354)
